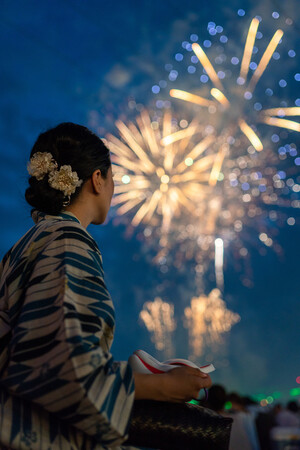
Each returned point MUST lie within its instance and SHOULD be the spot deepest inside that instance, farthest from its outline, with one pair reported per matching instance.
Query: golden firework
(159, 171)
(207, 319)
(227, 106)
(158, 317)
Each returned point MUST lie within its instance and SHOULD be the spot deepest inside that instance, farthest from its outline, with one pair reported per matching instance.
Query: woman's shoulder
(48, 232)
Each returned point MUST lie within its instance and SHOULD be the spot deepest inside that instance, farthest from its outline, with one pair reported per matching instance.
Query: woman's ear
(97, 181)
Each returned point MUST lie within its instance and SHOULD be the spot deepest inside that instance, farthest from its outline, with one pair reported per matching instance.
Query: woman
(60, 387)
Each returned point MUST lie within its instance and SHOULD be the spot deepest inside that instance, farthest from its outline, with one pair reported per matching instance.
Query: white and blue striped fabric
(60, 387)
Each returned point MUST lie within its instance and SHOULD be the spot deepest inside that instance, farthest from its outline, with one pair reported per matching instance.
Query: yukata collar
(37, 216)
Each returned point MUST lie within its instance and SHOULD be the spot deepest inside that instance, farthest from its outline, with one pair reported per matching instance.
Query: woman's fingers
(202, 380)
(200, 374)
(197, 372)
(202, 383)
(184, 383)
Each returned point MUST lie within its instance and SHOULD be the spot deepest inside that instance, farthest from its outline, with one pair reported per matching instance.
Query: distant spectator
(276, 409)
(216, 398)
(243, 433)
(288, 417)
(265, 421)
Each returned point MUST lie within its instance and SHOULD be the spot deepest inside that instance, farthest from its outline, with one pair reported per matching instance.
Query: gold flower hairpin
(62, 179)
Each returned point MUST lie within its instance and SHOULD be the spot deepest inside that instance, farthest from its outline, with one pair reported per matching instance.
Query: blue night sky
(84, 62)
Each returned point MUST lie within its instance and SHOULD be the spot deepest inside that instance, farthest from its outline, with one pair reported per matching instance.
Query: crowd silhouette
(256, 427)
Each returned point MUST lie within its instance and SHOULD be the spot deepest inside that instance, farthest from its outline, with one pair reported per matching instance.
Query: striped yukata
(59, 385)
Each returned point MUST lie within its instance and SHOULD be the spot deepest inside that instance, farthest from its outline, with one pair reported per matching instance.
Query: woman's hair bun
(69, 144)
(42, 197)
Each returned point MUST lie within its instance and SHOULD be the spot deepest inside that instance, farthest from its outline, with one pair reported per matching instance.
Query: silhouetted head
(70, 145)
(216, 397)
(292, 406)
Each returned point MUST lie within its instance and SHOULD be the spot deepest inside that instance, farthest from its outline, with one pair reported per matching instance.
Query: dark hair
(69, 144)
(292, 406)
(234, 397)
(216, 397)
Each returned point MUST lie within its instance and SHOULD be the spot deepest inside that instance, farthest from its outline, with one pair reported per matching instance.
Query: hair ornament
(40, 164)
(62, 179)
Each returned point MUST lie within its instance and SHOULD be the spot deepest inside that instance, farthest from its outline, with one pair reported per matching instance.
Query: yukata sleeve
(60, 354)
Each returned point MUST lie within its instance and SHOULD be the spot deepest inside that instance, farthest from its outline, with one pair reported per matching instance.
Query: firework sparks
(253, 190)
(241, 188)
(161, 172)
(207, 319)
(158, 317)
(253, 196)
(235, 111)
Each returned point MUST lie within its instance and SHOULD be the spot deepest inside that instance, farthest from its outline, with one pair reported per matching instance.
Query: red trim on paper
(151, 368)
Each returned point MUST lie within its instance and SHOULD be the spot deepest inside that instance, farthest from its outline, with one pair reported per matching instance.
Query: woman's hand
(184, 383)
(180, 384)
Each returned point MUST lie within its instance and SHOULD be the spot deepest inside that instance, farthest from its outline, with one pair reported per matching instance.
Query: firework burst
(233, 106)
(158, 317)
(207, 319)
(227, 189)
(251, 196)
(160, 171)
